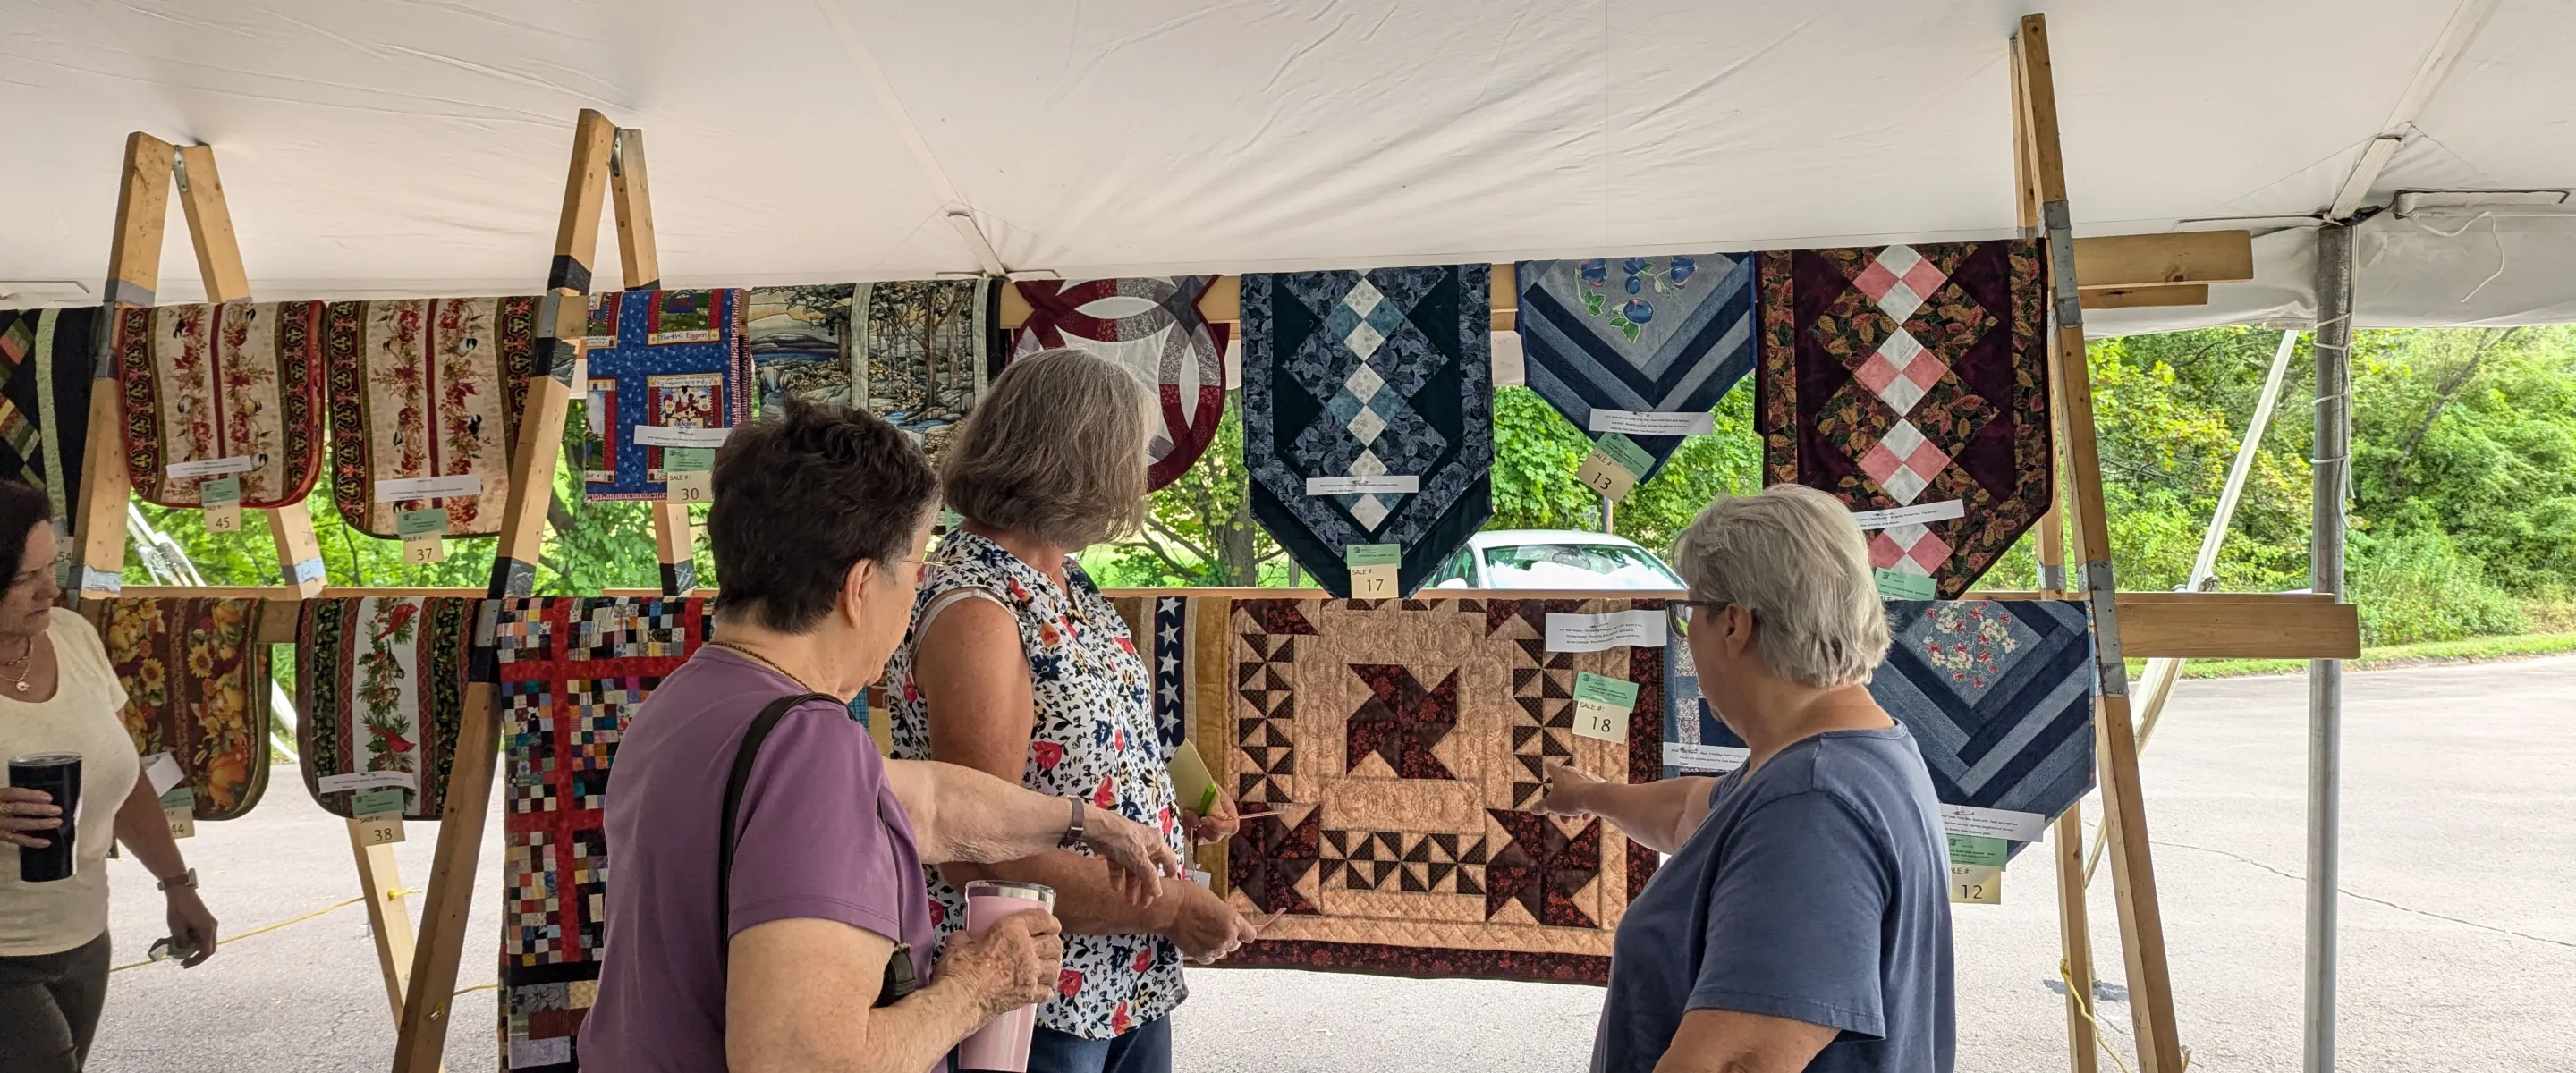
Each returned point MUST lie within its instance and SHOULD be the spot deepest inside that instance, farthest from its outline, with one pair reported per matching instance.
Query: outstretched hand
(1562, 788)
(1139, 859)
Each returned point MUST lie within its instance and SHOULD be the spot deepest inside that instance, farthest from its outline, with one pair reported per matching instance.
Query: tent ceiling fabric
(418, 148)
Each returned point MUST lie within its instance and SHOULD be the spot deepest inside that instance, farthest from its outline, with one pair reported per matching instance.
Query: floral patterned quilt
(196, 687)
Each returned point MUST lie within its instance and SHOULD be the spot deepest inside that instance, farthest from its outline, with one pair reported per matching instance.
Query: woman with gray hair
(1016, 665)
(1803, 920)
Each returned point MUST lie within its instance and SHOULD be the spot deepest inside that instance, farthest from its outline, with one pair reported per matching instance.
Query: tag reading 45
(221, 498)
(1601, 706)
(1373, 570)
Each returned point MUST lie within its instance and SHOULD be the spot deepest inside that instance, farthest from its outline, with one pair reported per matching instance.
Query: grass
(2472, 650)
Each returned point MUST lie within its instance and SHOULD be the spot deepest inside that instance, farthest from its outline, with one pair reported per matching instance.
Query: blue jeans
(1146, 1048)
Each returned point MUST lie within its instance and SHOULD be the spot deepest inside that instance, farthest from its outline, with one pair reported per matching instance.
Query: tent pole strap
(2331, 470)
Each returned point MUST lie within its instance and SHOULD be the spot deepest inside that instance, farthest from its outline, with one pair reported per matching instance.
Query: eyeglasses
(1680, 613)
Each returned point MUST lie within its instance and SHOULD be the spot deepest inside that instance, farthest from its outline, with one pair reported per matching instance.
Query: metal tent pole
(2331, 471)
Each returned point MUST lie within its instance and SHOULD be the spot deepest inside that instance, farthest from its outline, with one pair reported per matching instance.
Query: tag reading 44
(179, 810)
(221, 498)
(1373, 570)
(1601, 706)
(424, 534)
(1615, 466)
(691, 473)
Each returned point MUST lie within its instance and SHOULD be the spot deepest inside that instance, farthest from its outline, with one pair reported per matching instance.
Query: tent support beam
(2331, 470)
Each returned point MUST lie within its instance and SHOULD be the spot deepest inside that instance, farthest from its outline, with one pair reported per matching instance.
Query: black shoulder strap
(743, 758)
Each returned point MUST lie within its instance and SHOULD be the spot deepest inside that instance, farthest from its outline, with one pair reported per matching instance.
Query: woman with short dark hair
(58, 693)
(814, 523)
(1051, 461)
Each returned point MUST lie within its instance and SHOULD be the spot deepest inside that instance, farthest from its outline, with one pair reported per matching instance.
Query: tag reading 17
(179, 810)
(1614, 467)
(691, 474)
(423, 534)
(1601, 706)
(379, 815)
(1373, 570)
(222, 500)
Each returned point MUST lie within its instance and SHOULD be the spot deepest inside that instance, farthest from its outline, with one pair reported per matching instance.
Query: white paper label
(1914, 515)
(669, 436)
(1200, 877)
(366, 780)
(1994, 823)
(1593, 633)
(1653, 423)
(456, 487)
(1715, 759)
(162, 772)
(94, 579)
(1346, 486)
(212, 467)
(309, 571)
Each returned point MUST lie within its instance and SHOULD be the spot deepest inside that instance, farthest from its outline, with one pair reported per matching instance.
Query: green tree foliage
(1536, 451)
(1199, 530)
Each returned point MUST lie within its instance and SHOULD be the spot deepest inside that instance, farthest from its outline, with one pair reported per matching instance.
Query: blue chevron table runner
(1659, 335)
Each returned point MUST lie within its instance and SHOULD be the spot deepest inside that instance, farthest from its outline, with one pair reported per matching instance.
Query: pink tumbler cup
(1003, 1045)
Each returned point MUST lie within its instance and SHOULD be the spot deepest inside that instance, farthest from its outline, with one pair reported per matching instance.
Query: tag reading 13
(691, 474)
(1373, 570)
(1614, 467)
(179, 810)
(379, 816)
(423, 534)
(1601, 706)
(222, 499)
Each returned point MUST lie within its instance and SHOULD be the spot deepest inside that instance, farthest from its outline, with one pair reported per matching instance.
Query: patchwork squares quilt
(666, 360)
(48, 358)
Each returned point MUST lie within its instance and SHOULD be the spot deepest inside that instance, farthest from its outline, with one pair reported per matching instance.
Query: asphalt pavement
(2459, 919)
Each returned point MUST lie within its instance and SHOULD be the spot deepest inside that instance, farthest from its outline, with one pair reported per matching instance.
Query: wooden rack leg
(422, 1038)
(2123, 800)
(133, 274)
(640, 261)
(380, 881)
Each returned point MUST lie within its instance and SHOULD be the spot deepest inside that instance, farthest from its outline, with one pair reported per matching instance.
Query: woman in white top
(59, 694)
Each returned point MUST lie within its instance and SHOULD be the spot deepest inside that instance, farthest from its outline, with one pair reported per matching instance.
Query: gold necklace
(765, 661)
(20, 680)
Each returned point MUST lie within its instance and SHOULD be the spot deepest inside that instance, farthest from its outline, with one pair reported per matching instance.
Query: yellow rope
(263, 931)
(2084, 1005)
(478, 987)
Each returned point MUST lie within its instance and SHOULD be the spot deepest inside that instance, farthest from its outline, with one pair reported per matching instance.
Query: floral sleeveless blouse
(1093, 737)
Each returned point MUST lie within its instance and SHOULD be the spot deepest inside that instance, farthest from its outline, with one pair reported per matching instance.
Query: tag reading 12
(379, 815)
(1904, 585)
(691, 472)
(179, 810)
(1977, 869)
(424, 534)
(1601, 706)
(1614, 467)
(222, 500)
(1373, 570)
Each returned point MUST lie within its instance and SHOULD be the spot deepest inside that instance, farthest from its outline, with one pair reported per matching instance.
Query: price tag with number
(1615, 466)
(179, 809)
(1373, 570)
(1601, 706)
(1977, 869)
(1905, 585)
(379, 816)
(424, 534)
(690, 473)
(222, 500)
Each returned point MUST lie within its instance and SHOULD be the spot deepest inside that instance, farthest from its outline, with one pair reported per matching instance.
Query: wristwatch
(186, 879)
(1072, 829)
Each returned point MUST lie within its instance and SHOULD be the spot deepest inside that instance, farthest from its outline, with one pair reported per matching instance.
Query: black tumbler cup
(57, 774)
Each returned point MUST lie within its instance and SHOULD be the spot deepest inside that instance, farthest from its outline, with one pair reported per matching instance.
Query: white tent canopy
(418, 148)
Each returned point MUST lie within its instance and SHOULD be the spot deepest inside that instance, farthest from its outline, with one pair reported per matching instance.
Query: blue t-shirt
(1816, 890)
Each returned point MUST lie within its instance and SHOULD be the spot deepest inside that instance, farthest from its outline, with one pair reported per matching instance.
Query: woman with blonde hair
(1016, 665)
(1803, 921)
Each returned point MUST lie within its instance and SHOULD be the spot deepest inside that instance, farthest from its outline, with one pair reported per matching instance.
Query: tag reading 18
(423, 534)
(222, 500)
(1601, 706)
(1615, 466)
(1977, 869)
(379, 815)
(691, 473)
(179, 810)
(1373, 570)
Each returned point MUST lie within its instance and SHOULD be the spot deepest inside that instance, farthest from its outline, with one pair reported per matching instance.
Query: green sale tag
(1605, 690)
(219, 490)
(377, 802)
(688, 459)
(1978, 851)
(1625, 451)
(180, 796)
(1373, 555)
(411, 523)
(1901, 585)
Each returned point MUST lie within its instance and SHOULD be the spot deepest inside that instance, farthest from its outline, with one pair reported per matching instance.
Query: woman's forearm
(961, 814)
(1652, 814)
(918, 1030)
(140, 825)
(1084, 900)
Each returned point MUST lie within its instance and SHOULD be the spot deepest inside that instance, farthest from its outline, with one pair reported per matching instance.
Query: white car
(1553, 559)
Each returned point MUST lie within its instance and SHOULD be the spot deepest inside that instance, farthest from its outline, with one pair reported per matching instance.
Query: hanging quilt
(800, 343)
(48, 358)
(197, 687)
(1152, 325)
(1399, 743)
(1661, 335)
(1187, 641)
(1999, 695)
(571, 671)
(667, 361)
(380, 688)
(222, 390)
(1368, 413)
(426, 387)
(1912, 377)
(924, 348)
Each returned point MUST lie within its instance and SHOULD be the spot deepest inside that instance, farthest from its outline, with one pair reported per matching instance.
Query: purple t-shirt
(820, 836)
